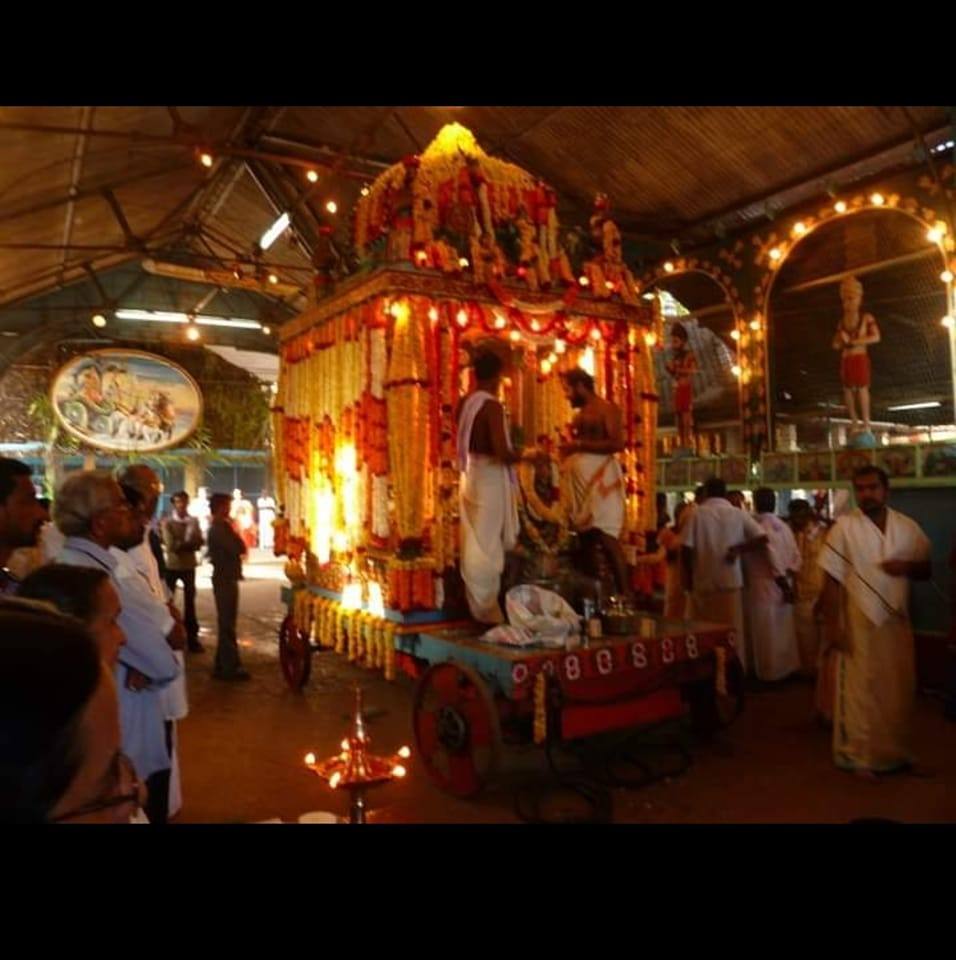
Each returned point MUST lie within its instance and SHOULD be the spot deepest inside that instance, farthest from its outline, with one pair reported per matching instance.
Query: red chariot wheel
(456, 728)
(295, 654)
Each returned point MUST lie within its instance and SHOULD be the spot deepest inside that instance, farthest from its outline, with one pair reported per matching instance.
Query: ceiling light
(734, 334)
(669, 267)
(275, 231)
(332, 207)
(364, 191)
(799, 228)
(840, 206)
(192, 332)
(99, 320)
(161, 316)
(206, 158)
(925, 405)
(877, 199)
(312, 176)
(776, 253)
(273, 278)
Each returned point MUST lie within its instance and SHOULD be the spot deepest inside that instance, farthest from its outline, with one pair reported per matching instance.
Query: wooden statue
(682, 366)
(854, 334)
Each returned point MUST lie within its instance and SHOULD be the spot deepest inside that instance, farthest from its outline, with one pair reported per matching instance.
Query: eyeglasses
(126, 779)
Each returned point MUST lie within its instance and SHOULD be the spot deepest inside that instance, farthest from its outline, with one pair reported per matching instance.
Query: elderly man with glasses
(92, 512)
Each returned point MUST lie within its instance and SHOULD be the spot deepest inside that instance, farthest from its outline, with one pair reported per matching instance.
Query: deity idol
(854, 334)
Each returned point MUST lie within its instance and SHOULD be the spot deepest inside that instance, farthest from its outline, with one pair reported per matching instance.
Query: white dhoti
(489, 527)
(875, 690)
(771, 632)
(596, 487)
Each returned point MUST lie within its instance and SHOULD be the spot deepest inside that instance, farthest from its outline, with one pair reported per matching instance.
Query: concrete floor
(242, 749)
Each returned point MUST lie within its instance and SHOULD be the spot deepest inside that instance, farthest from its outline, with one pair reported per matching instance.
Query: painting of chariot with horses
(126, 401)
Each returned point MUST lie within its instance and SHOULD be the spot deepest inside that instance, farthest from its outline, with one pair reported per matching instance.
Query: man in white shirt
(768, 597)
(94, 516)
(142, 487)
(714, 540)
(870, 555)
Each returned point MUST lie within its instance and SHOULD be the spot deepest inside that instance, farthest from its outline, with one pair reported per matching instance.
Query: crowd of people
(92, 646)
(807, 597)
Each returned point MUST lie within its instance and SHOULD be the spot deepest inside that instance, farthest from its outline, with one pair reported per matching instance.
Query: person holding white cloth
(870, 555)
(488, 507)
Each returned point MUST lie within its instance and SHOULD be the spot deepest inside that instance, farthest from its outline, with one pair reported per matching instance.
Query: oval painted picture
(126, 401)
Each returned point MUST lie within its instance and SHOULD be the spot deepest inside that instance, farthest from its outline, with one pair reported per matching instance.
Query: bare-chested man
(489, 515)
(594, 476)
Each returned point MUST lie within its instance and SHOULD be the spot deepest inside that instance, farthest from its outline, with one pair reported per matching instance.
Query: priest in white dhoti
(768, 595)
(870, 555)
(591, 475)
(488, 506)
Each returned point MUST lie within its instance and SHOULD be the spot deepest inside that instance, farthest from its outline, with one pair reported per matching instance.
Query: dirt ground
(242, 750)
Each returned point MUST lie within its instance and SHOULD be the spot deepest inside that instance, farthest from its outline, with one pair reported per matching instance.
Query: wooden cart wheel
(456, 728)
(295, 654)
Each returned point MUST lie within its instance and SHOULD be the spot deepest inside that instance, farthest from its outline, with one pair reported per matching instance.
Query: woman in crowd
(85, 593)
(60, 760)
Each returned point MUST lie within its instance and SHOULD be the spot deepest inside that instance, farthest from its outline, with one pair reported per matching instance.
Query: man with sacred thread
(488, 507)
(682, 366)
(854, 334)
(594, 476)
(870, 556)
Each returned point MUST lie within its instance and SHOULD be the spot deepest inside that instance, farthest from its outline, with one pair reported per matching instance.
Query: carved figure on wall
(855, 333)
(682, 366)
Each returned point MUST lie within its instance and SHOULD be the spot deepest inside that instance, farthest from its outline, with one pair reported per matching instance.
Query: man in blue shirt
(91, 511)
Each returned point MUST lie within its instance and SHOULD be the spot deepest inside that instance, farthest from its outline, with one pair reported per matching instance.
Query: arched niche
(712, 319)
(899, 266)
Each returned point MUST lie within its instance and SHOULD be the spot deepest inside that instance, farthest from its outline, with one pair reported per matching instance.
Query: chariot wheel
(295, 654)
(456, 728)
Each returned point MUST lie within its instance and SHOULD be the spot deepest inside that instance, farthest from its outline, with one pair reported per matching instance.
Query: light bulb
(310, 759)
(312, 176)
(776, 253)
(267, 330)
(515, 336)
(734, 334)
(877, 199)
(946, 276)
(335, 779)
(552, 358)
(404, 753)
(650, 339)
(560, 346)
(735, 370)
(949, 322)
(840, 206)
(755, 324)
(545, 367)
(595, 334)
(364, 191)
(799, 228)
(499, 323)
(934, 235)
(99, 320)
(421, 256)
(668, 267)
(433, 314)
(583, 281)
(205, 159)
(461, 318)
(332, 207)
(344, 745)
(192, 332)
(608, 284)
(398, 771)
(463, 262)
(273, 278)
(535, 325)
